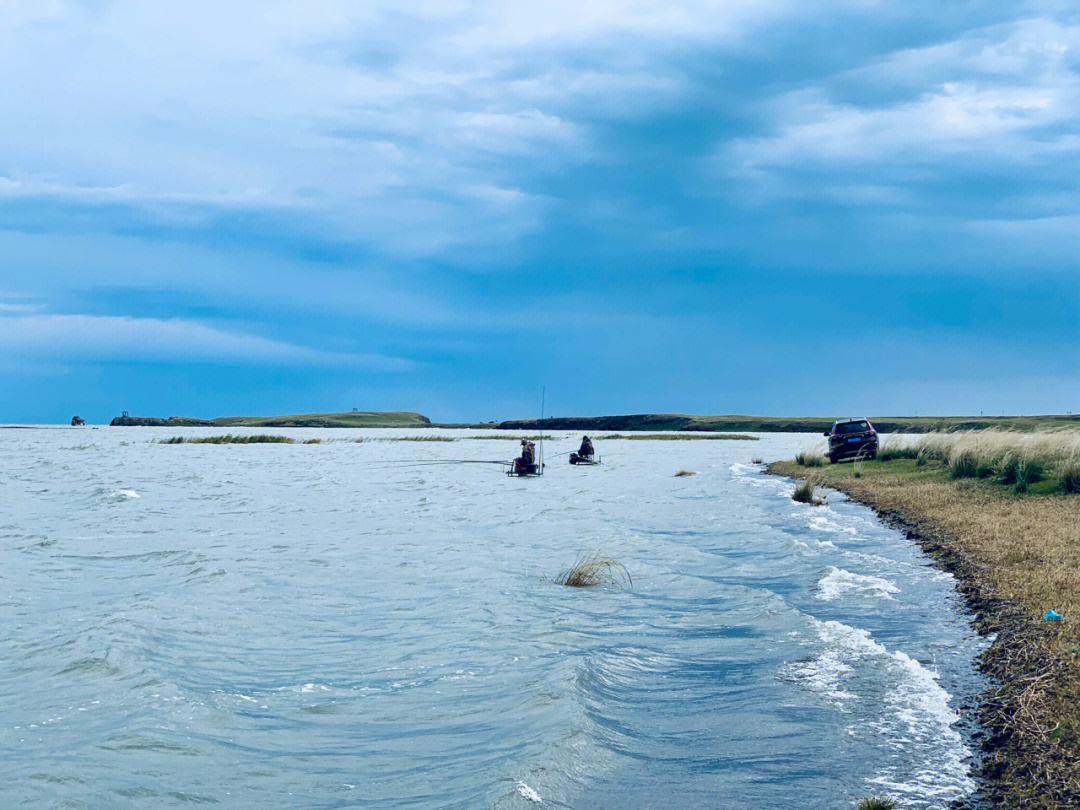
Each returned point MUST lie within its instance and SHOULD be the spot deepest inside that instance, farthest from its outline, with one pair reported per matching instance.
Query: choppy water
(300, 626)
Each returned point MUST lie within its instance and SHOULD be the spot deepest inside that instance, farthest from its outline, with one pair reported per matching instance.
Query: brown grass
(1014, 556)
(590, 570)
(684, 473)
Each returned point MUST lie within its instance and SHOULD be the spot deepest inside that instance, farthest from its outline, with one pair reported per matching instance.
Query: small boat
(588, 461)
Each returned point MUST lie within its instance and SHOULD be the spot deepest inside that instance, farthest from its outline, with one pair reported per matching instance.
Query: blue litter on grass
(1051, 616)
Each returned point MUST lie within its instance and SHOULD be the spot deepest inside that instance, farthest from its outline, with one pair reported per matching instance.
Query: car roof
(849, 421)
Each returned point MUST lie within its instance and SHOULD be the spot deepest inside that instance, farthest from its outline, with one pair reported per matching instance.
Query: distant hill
(350, 419)
(783, 424)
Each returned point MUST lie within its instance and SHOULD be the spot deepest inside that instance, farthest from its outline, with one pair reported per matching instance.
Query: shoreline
(1026, 759)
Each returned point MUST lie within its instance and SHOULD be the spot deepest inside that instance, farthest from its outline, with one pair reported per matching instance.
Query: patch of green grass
(679, 437)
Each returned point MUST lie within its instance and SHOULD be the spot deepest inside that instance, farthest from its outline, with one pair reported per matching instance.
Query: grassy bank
(1016, 554)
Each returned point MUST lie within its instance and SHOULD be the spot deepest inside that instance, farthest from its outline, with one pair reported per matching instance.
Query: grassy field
(1015, 550)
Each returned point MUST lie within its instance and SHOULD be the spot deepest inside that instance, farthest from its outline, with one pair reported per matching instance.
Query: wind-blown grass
(1017, 460)
(809, 458)
(590, 570)
(257, 438)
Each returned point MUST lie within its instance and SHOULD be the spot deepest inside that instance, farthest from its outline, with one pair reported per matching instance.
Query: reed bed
(591, 570)
(258, 438)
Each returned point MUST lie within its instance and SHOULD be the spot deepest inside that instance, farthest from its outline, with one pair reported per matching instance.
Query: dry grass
(684, 473)
(591, 570)
(1015, 557)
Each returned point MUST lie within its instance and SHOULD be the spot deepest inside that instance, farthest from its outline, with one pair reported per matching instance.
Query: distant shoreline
(624, 422)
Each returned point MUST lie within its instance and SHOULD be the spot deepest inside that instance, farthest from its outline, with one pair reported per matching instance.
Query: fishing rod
(543, 400)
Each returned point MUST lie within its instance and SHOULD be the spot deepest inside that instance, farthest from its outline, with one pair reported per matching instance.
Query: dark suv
(852, 438)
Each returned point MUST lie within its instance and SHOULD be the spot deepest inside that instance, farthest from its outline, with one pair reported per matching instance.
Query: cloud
(127, 339)
(1002, 101)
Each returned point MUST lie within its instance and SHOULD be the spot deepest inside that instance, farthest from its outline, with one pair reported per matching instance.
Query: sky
(751, 206)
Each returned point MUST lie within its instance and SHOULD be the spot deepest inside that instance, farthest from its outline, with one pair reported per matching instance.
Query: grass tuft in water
(591, 570)
(684, 473)
(257, 438)
(875, 803)
(804, 493)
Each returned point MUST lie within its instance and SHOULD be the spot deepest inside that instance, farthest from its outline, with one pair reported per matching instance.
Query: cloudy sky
(211, 208)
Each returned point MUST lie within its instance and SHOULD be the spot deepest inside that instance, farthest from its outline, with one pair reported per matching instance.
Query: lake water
(322, 626)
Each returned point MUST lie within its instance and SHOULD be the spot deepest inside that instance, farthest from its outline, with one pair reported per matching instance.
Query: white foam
(916, 715)
(529, 793)
(838, 581)
(823, 523)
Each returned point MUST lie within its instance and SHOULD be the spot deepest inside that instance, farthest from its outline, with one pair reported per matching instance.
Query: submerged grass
(685, 473)
(999, 511)
(590, 570)
(258, 438)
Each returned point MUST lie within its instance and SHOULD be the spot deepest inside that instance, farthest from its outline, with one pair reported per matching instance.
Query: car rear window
(851, 427)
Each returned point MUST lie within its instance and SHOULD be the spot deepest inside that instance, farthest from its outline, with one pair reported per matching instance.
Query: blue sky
(753, 207)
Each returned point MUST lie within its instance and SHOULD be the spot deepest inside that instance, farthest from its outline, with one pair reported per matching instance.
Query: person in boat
(586, 450)
(527, 461)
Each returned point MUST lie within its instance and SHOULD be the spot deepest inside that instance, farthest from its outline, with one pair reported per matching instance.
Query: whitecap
(529, 793)
(838, 581)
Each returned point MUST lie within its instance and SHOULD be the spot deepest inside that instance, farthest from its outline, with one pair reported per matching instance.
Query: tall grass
(590, 570)
(809, 458)
(1016, 460)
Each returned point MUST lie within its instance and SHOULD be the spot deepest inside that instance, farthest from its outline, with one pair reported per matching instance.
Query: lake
(340, 625)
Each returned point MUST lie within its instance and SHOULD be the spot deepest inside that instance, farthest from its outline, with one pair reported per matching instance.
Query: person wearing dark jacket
(586, 450)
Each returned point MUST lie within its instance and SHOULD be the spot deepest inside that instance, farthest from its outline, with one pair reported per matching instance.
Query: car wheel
(833, 459)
